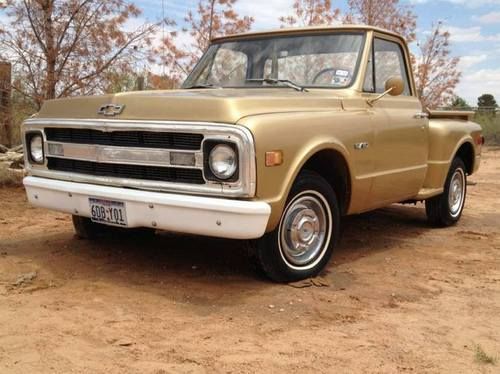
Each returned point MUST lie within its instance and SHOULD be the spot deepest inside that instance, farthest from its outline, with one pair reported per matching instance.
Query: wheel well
(332, 166)
(466, 154)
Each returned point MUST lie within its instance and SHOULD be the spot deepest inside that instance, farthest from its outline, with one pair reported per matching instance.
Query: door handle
(421, 115)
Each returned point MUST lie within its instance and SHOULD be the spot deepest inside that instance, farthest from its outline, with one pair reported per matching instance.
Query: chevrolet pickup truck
(273, 138)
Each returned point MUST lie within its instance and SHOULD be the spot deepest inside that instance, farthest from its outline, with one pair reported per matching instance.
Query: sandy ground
(397, 297)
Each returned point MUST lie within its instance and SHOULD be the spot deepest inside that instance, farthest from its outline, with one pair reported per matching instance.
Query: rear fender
(446, 138)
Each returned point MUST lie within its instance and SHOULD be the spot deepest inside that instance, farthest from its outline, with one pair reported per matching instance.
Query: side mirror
(394, 86)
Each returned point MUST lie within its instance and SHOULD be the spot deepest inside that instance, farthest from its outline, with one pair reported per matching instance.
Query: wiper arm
(287, 82)
(201, 85)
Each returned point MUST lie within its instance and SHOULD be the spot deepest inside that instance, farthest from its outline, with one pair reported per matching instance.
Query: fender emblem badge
(110, 110)
(360, 146)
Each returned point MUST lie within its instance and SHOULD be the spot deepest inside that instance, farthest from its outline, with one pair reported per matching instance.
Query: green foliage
(486, 102)
(459, 103)
(491, 126)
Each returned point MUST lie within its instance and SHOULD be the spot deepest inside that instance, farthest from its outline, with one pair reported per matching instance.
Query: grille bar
(152, 173)
(144, 139)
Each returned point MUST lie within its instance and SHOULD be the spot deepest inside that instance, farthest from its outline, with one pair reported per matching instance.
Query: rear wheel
(446, 209)
(306, 235)
(86, 229)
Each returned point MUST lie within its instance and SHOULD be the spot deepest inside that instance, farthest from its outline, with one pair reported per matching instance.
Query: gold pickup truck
(273, 137)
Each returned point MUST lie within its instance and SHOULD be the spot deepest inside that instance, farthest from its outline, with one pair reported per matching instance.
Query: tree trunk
(369, 15)
(5, 104)
(140, 83)
(50, 52)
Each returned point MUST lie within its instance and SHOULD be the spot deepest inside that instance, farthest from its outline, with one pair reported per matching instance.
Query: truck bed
(451, 114)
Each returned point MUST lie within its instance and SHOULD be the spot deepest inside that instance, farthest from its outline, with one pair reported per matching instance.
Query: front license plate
(110, 212)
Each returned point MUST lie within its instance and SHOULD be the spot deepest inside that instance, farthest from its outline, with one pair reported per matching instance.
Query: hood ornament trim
(110, 110)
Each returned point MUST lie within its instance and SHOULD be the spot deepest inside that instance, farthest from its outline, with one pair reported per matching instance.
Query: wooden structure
(5, 104)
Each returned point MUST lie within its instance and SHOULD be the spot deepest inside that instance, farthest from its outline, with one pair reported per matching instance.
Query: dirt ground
(397, 297)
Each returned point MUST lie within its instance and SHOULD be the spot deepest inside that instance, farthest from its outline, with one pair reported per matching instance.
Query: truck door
(401, 129)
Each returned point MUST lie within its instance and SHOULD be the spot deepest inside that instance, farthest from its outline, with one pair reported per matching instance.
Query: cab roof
(303, 30)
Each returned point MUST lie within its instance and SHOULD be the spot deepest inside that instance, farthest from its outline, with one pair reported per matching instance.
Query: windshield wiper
(286, 82)
(201, 85)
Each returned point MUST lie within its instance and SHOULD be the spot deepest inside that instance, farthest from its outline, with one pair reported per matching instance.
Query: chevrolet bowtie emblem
(110, 110)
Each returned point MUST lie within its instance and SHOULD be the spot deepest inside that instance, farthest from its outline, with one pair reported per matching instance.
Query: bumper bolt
(70, 194)
(218, 222)
(154, 224)
(151, 206)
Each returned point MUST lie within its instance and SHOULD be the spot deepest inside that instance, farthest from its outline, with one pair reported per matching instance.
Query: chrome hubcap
(304, 229)
(456, 193)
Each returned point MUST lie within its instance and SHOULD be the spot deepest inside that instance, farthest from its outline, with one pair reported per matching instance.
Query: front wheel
(446, 209)
(306, 235)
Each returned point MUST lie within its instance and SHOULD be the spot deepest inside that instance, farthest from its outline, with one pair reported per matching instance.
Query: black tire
(440, 210)
(269, 253)
(86, 229)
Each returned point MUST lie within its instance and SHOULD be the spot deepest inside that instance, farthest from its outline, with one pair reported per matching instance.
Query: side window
(389, 62)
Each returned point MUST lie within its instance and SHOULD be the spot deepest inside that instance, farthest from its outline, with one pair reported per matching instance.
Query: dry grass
(491, 126)
(483, 357)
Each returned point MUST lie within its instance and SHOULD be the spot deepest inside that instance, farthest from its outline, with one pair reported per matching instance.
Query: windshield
(328, 61)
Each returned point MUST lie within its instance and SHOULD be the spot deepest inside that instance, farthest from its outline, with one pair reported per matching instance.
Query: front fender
(299, 137)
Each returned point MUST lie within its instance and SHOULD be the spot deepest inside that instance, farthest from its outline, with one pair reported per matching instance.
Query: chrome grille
(143, 139)
(124, 153)
(152, 173)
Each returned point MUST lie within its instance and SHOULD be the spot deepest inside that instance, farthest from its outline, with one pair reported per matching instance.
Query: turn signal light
(274, 158)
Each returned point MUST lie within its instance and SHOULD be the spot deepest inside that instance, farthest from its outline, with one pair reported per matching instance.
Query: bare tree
(175, 60)
(436, 72)
(212, 18)
(387, 14)
(311, 13)
(161, 82)
(61, 48)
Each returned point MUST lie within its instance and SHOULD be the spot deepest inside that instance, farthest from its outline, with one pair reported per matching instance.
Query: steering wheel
(324, 71)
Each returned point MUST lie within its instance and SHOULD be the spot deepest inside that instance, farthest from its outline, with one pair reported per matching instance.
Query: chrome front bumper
(198, 215)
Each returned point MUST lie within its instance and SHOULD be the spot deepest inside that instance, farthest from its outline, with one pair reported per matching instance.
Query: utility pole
(5, 104)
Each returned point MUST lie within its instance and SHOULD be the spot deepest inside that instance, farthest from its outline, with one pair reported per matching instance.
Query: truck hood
(206, 105)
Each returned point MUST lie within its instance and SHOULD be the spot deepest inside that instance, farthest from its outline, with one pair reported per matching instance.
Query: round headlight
(36, 148)
(222, 161)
